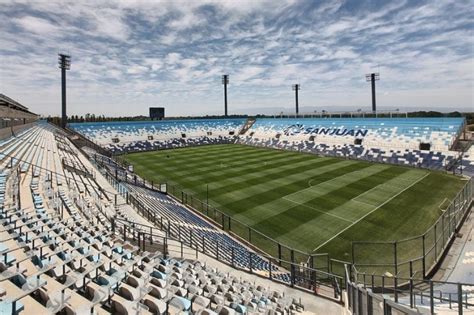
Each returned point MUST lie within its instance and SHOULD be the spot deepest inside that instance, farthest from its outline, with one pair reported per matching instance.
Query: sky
(130, 55)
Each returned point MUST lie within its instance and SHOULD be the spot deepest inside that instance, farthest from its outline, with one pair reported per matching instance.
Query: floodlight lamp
(225, 79)
(368, 77)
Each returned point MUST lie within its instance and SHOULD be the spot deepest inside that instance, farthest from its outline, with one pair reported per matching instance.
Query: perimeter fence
(406, 258)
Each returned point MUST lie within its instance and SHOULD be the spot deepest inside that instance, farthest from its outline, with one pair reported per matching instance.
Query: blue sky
(129, 55)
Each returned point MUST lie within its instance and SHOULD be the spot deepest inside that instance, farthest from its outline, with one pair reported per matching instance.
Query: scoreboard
(157, 113)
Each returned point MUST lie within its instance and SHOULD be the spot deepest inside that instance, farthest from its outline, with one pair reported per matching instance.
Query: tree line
(102, 118)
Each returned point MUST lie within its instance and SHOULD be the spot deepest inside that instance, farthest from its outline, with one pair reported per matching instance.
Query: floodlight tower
(64, 64)
(296, 88)
(372, 77)
(225, 81)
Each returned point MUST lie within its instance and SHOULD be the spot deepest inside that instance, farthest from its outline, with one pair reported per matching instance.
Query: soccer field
(311, 203)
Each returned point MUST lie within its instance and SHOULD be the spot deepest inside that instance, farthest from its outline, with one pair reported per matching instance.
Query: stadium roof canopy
(6, 101)
(10, 108)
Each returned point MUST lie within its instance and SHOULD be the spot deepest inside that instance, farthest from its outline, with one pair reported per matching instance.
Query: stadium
(357, 211)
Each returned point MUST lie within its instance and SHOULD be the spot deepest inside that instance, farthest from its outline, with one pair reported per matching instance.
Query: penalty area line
(372, 211)
(365, 192)
(327, 213)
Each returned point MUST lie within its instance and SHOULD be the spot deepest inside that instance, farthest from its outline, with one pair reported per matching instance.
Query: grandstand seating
(410, 157)
(186, 221)
(467, 162)
(394, 140)
(418, 142)
(393, 133)
(146, 145)
(148, 135)
(59, 251)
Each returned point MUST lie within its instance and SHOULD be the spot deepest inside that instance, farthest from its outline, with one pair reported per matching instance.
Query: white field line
(367, 214)
(363, 202)
(379, 185)
(442, 203)
(408, 181)
(327, 181)
(333, 215)
(365, 192)
(460, 208)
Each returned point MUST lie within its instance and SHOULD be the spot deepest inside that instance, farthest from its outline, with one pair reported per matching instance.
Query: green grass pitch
(311, 203)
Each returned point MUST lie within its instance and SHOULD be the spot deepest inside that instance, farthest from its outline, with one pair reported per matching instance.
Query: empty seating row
(182, 221)
(397, 133)
(416, 158)
(137, 131)
(59, 253)
(50, 265)
(147, 145)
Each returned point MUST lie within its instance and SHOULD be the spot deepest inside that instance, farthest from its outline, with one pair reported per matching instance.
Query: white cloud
(137, 69)
(248, 73)
(163, 51)
(338, 27)
(187, 20)
(36, 25)
(190, 63)
(154, 63)
(109, 23)
(173, 58)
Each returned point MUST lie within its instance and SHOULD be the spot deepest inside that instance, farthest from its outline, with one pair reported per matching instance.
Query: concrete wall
(7, 112)
(10, 131)
(10, 117)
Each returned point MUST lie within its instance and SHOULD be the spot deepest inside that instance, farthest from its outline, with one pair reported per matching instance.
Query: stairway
(248, 124)
(457, 144)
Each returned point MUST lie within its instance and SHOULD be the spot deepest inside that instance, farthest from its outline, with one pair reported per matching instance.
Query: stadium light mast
(372, 77)
(296, 88)
(225, 81)
(64, 64)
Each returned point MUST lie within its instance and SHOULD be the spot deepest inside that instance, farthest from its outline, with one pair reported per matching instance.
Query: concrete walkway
(458, 266)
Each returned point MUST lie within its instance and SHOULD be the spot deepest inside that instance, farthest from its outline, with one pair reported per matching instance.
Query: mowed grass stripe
(186, 168)
(347, 208)
(380, 193)
(251, 191)
(193, 153)
(326, 198)
(286, 181)
(203, 152)
(174, 167)
(400, 213)
(376, 171)
(389, 198)
(233, 169)
(198, 182)
(354, 208)
(189, 154)
(256, 175)
(177, 162)
(265, 200)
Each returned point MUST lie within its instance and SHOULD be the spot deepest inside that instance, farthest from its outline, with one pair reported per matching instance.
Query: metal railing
(252, 238)
(311, 271)
(150, 237)
(291, 272)
(417, 255)
(375, 294)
